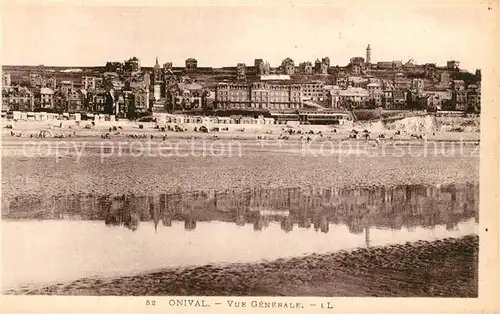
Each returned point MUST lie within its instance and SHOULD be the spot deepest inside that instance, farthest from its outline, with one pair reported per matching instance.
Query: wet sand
(443, 268)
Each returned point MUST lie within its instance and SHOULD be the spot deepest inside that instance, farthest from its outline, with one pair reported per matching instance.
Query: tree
(467, 77)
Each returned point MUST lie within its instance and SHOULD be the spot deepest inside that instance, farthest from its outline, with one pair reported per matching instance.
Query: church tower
(157, 77)
(368, 54)
(157, 72)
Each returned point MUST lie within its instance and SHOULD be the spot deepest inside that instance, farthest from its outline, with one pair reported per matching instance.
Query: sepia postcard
(215, 156)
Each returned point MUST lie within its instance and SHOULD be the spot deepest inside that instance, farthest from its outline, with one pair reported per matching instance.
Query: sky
(222, 35)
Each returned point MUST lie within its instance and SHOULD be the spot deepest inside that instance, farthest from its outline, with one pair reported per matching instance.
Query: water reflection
(358, 208)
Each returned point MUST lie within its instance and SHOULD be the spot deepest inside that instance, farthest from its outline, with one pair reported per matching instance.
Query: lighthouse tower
(368, 54)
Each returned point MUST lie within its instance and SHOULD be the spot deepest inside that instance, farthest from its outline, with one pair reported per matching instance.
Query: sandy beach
(194, 161)
(444, 130)
(116, 174)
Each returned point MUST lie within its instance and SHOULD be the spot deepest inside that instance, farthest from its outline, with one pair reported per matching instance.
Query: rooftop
(189, 86)
(46, 90)
(271, 77)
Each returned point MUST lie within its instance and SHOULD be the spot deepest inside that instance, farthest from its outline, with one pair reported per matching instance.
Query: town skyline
(76, 35)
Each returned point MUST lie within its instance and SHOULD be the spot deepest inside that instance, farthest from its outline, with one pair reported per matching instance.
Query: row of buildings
(127, 89)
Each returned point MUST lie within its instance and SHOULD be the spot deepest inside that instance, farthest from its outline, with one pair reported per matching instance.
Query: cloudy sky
(219, 34)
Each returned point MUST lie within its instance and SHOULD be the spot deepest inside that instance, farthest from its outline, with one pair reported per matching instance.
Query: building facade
(92, 82)
(258, 96)
(132, 65)
(306, 68)
(191, 64)
(46, 96)
(241, 71)
(17, 98)
(350, 97)
(452, 65)
(314, 91)
(186, 96)
(288, 67)
(375, 93)
(6, 81)
(141, 100)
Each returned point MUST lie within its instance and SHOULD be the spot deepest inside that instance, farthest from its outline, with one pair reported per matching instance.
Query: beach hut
(206, 120)
(16, 115)
(269, 120)
(43, 116)
(112, 118)
(160, 117)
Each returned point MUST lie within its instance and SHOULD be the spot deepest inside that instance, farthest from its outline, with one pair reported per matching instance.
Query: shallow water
(58, 239)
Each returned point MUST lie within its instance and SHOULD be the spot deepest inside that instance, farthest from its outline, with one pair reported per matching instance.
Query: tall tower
(157, 80)
(156, 71)
(368, 54)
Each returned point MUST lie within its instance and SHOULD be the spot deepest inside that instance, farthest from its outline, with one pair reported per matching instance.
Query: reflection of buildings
(322, 224)
(305, 222)
(240, 220)
(367, 236)
(261, 222)
(119, 212)
(240, 215)
(451, 225)
(189, 223)
(166, 221)
(358, 209)
(287, 224)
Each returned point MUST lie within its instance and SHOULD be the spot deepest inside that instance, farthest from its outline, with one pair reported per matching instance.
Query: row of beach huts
(48, 116)
(181, 119)
(158, 117)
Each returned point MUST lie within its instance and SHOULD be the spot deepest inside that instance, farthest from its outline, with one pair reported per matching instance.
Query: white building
(351, 96)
